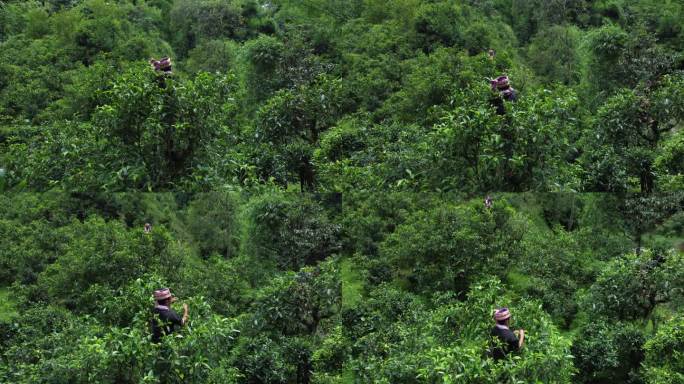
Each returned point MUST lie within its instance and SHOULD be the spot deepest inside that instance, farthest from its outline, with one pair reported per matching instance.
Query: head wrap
(163, 64)
(500, 83)
(161, 294)
(502, 314)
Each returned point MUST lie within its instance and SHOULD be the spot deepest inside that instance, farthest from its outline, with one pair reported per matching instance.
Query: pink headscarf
(500, 82)
(502, 314)
(161, 294)
(163, 64)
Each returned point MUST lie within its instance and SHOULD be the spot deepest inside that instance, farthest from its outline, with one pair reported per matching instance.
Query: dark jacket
(504, 342)
(164, 322)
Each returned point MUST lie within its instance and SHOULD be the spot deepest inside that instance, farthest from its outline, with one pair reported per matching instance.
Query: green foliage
(167, 127)
(85, 314)
(448, 343)
(448, 23)
(7, 308)
(341, 141)
(48, 51)
(296, 303)
(644, 213)
(81, 351)
(449, 247)
(609, 352)
(558, 267)
(668, 163)
(385, 103)
(212, 56)
(402, 63)
(352, 285)
(630, 127)
(211, 222)
(144, 136)
(492, 152)
(664, 361)
(371, 217)
(84, 90)
(438, 23)
(526, 18)
(386, 165)
(429, 82)
(263, 56)
(554, 54)
(26, 92)
(304, 112)
(293, 120)
(27, 250)
(331, 355)
(605, 73)
(624, 60)
(261, 360)
(198, 21)
(631, 287)
(288, 232)
(114, 257)
(228, 297)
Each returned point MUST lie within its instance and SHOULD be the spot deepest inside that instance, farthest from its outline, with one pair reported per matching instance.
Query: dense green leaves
(448, 344)
(297, 302)
(449, 247)
(413, 75)
(290, 233)
(346, 149)
(664, 359)
(269, 303)
(149, 132)
(631, 287)
(495, 152)
(632, 125)
(212, 223)
(609, 352)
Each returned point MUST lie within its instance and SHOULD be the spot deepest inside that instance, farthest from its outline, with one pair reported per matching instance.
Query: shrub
(609, 352)
(296, 303)
(212, 224)
(664, 361)
(449, 246)
(106, 254)
(289, 232)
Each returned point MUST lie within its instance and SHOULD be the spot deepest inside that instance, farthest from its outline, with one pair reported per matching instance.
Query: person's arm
(521, 338)
(513, 340)
(185, 314)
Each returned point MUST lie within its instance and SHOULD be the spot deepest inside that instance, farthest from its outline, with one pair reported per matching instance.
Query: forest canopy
(341, 191)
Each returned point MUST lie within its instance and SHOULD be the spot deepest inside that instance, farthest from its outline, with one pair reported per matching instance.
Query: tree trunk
(306, 175)
(646, 180)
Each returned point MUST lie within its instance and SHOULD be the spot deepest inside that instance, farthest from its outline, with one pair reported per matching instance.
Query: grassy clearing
(352, 285)
(347, 377)
(530, 205)
(519, 282)
(7, 305)
(650, 240)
